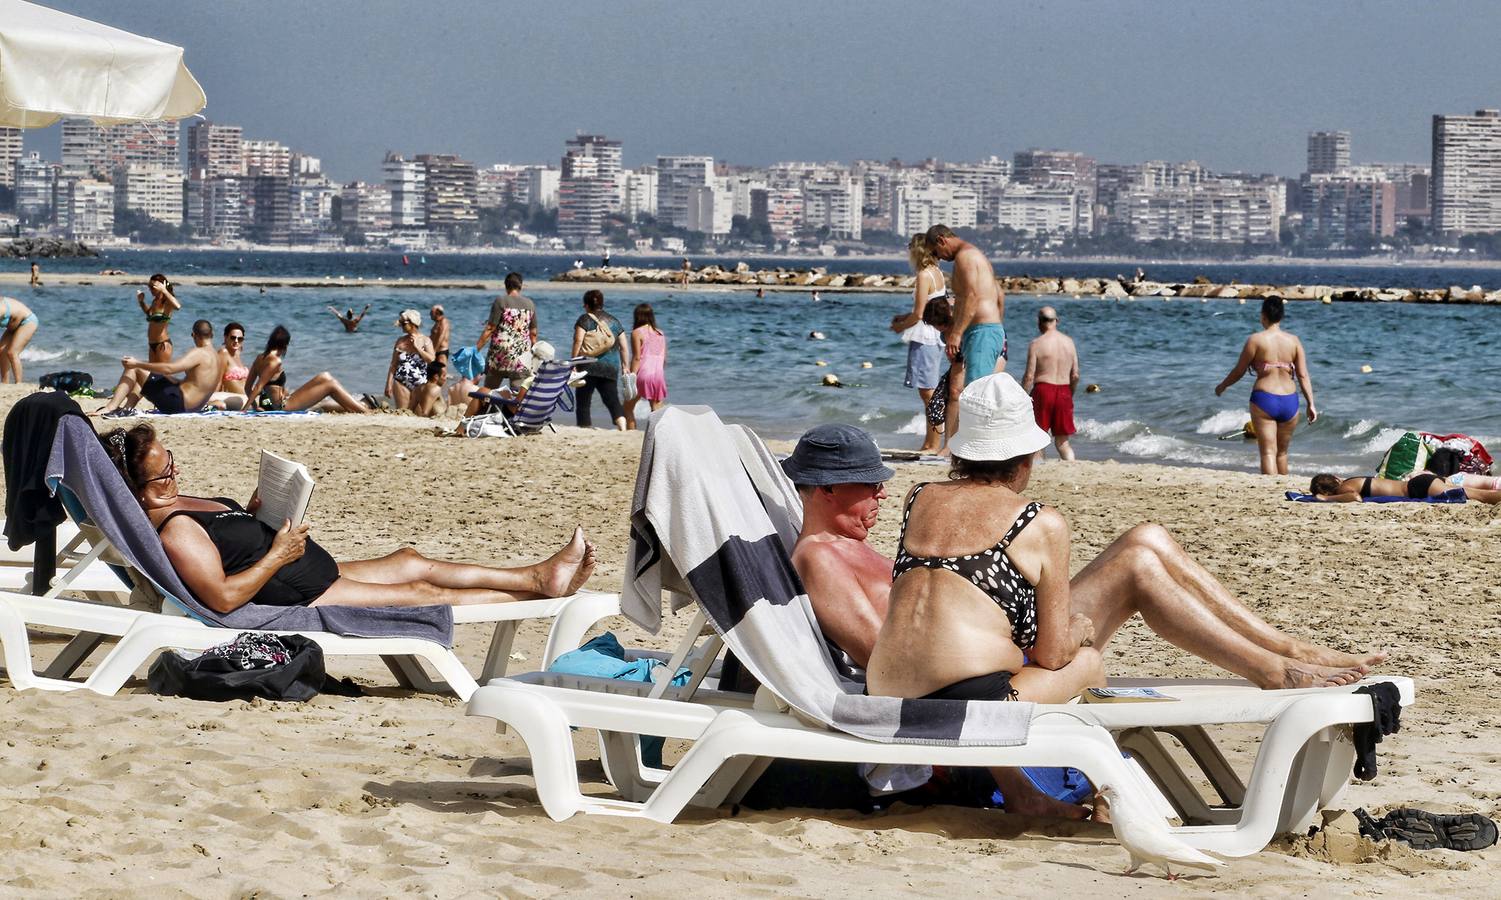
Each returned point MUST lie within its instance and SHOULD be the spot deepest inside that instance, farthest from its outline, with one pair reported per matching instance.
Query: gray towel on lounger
(712, 522)
(79, 463)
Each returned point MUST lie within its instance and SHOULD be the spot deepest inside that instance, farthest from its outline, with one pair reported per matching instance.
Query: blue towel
(603, 657)
(1453, 495)
(467, 362)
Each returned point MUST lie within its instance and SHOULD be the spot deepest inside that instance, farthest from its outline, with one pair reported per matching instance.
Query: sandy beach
(395, 793)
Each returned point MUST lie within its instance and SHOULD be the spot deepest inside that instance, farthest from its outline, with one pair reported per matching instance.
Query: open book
(1123, 695)
(285, 489)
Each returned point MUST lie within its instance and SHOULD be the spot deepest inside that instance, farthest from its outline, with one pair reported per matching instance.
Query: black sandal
(1425, 830)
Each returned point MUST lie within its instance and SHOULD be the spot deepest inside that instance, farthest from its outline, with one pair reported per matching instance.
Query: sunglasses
(1047, 318)
(236, 339)
(167, 474)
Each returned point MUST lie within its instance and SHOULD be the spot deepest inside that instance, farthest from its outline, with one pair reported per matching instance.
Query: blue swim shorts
(981, 346)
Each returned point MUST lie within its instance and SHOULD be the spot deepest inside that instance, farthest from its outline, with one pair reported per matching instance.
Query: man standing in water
(1052, 377)
(977, 334)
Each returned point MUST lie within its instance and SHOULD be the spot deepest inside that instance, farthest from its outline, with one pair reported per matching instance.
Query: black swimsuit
(243, 540)
(989, 570)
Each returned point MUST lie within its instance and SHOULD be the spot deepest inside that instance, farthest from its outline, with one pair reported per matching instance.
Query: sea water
(1156, 361)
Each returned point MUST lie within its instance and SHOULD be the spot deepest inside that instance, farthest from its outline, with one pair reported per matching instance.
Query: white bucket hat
(996, 421)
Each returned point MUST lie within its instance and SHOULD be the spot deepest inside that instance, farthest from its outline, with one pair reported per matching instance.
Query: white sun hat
(996, 421)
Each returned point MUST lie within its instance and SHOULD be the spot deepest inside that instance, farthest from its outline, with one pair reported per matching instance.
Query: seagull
(1147, 839)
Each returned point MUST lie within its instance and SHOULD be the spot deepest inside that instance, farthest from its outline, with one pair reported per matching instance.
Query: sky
(1235, 85)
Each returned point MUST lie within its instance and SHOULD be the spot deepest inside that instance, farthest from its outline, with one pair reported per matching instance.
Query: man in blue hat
(841, 478)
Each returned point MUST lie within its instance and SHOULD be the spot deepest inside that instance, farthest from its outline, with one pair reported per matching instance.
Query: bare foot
(1303, 675)
(584, 571)
(556, 574)
(1043, 806)
(1323, 656)
(943, 453)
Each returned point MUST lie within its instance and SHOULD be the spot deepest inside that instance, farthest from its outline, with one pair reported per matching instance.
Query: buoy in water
(819, 362)
(405, 261)
(1327, 300)
(1366, 370)
(867, 365)
(1092, 389)
(815, 335)
(832, 380)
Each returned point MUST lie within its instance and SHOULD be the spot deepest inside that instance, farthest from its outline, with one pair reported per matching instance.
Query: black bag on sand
(276, 667)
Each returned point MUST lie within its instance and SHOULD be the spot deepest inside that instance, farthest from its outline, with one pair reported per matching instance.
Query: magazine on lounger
(1123, 695)
(285, 488)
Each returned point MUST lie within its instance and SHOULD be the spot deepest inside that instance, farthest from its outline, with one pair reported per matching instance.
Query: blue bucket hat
(836, 454)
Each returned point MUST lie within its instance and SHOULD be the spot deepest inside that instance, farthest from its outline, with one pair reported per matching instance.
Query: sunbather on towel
(1333, 489)
(228, 557)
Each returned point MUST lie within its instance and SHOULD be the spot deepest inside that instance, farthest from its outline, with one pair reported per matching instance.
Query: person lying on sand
(1333, 489)
(228, 557)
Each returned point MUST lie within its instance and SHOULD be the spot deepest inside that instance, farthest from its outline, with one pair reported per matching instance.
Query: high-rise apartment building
(149, 190)
(90, 150)
(1328, 152)
(10, 151)
(33, 180)
(1220, 210)
(918, 209)
(267, 158)
(407, 181)
(1342, 205)
(85, 208)
(498, 185)
(677, 176)
(1036, 210)
(366, 207)
(638, 193)
(780, 208)
(1057, 169)
(448, 191)
(218, 209)
(587, 190)
(1467, 172)
(215, 150)
(835, 201)
(540, 186)
(711, 208)
(271, 222)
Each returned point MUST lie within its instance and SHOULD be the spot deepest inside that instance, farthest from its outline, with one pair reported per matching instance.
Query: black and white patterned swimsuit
(989, 570)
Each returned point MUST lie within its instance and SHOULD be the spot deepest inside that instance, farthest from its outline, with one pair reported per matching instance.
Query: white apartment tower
(836, 203)
(33, 179)
(407, 181)
(1328, 152)
(10, 151)
(267, 158)
(1467, 172)
(915, 209)
(677, 176)
(151, 190)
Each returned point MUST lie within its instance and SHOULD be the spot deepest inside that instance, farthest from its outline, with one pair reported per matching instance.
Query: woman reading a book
(228, 557)
(982, 606)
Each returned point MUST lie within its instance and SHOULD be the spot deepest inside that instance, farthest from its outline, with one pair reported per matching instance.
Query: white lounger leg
(582, 613)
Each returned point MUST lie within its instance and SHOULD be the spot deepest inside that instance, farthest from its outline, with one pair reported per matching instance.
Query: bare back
(1282, 351)
(203, 377)
(1052, 359)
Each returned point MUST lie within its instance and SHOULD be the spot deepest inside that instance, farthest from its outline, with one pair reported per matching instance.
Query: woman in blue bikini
(17, 325)
(1281, 371)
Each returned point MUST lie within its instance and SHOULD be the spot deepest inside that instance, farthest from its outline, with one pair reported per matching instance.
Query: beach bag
(68, 382)
(275, 667)
(598, 342)
(1473, 456)
(1408, 455)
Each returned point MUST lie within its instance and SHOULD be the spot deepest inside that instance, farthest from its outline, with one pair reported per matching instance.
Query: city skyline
(1235, 89)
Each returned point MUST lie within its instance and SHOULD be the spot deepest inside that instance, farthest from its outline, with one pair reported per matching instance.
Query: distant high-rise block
(677, 177)
(587, 185)
(10, 151)
(215, 151)
(407, 181)
(90, 150)
(450, 193)
(1328, 152)
(1467, 172)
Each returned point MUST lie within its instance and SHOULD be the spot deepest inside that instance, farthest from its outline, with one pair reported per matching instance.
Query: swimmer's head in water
(1324, 484)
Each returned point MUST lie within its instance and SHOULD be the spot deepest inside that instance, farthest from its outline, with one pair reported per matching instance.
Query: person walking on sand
(1281, 371)
(17, 326)
(347, 318)
(36, 275)
(1052, 377)
(978, 334)
(648, 364)
(924, 341)
(599, 335)
(158, 317)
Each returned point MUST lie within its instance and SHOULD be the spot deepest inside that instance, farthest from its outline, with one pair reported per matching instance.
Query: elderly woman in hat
(982, 606)
(410, 357)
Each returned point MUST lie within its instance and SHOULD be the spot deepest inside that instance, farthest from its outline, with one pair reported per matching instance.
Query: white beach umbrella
(53, 65)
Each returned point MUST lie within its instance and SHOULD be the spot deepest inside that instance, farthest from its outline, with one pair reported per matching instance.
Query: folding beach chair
(549, 392)
(710, 527)
(139, 634)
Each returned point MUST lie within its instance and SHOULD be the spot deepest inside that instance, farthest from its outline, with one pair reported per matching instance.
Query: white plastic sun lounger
(78, 568)
(1302, 764)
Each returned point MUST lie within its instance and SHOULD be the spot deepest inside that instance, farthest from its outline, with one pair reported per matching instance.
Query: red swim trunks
(1053, 405)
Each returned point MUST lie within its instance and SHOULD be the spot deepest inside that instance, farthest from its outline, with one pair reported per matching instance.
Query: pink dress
(651, 376)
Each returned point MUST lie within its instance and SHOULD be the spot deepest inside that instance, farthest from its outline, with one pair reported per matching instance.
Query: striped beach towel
(713, 520)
